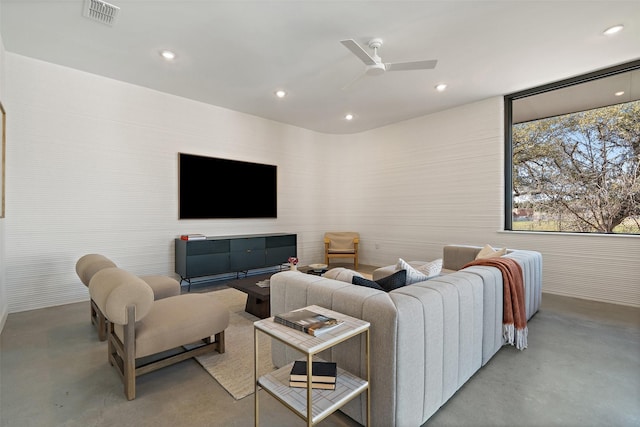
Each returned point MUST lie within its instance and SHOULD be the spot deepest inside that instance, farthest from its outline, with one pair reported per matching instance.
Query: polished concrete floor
(582, 368)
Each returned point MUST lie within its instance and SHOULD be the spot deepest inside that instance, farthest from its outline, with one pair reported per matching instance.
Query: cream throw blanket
(514, 316)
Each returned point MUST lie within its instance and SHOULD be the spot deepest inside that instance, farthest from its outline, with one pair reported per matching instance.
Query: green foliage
(582, 170)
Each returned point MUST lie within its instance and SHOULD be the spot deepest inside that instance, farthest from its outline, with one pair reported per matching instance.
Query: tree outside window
(576, 172)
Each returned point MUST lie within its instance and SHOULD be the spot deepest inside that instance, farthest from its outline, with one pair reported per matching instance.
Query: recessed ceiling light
(281, 93)
(348, 116)
(441, 87)
(613, 30)
(168, 55)
(619, 93)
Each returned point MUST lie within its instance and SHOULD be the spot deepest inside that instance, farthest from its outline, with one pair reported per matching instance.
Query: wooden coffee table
(258, 299)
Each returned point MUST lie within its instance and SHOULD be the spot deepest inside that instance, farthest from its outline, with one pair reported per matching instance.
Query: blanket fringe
(508, 333)
(515, 337)
(521, 338)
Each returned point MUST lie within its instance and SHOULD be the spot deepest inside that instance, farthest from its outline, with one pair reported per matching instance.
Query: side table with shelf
(312, 405)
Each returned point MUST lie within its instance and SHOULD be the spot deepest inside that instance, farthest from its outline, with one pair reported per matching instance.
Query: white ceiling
(235, 54)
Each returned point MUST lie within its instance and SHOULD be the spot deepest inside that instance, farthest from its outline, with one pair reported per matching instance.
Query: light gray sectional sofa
(427, 339)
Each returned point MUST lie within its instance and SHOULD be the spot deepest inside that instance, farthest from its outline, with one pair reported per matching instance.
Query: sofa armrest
(454, 257)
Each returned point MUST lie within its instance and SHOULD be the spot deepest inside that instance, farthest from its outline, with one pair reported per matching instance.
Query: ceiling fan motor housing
(375, 69)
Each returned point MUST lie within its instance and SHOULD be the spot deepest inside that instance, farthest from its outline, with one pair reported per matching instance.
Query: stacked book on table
(323, 375)
(193, 237)
(307, 321)
(264, 283)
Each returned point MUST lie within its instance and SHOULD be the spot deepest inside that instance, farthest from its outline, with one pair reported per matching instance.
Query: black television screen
(211, 187)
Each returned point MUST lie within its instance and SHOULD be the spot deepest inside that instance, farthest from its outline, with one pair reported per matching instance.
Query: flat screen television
(211, 187)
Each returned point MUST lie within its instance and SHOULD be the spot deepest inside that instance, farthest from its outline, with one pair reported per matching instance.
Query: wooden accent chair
(90, 264)
(341, 244)
(146, 334)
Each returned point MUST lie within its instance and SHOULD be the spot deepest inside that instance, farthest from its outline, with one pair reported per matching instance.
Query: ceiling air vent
(101, 11)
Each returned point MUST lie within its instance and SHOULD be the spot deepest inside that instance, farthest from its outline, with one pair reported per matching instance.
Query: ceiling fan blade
(358, 51)
(428, 64)
(354, 81)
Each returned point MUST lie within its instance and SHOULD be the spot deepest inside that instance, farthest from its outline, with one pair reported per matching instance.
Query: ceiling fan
(374, 63)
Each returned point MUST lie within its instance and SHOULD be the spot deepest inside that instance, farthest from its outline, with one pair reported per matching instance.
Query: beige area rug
(234, 369)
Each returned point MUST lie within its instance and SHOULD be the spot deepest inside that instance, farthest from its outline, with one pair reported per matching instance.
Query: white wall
(4, 305)
(439, 179)
(92, 167)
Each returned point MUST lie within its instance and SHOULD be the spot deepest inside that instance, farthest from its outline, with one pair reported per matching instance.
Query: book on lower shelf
(323, 375)
(322, 372)
(307, 321)
(303, 384)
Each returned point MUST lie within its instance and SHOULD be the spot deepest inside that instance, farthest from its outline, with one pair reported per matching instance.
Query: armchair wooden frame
(122, 354)
(352, 252)
(99, 321)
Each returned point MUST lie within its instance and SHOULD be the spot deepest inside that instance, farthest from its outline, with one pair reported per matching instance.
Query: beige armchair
(88, 265)
(341, 244)
(170, 329)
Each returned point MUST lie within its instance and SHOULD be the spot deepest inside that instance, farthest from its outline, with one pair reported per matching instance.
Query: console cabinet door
(202, 257)
(280, 248)
(247, 253)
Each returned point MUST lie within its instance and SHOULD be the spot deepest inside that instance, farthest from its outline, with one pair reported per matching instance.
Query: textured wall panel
(92, 167)
(442, 182)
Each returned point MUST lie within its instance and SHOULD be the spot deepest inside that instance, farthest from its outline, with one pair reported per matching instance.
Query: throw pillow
(387, 284)
(488, 252)
(413, 275)
(342, 274)
(361, 281)
(431, 269)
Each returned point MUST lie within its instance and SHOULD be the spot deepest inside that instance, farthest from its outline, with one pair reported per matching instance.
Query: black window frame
(508, 118)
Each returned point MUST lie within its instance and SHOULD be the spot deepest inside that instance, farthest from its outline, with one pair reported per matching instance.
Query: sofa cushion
(90, 264)
(162, 286)
(342, 274)
(176, 321)
(413, 275)
(113, 289)
(488, 252)
(454, 257)
(387, 284)
(432, 268)
(361, 281)
(388, 270)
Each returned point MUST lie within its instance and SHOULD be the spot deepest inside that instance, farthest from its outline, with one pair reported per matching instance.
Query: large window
(572, 158)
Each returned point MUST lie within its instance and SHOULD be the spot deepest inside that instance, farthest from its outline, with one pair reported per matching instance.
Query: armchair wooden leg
(111, 346)
(129, 356)
(220, 341)
(102, 327)
(99, 320)
(94, 318)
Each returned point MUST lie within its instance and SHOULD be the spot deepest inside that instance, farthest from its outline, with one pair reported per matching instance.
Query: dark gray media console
(232, 254)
